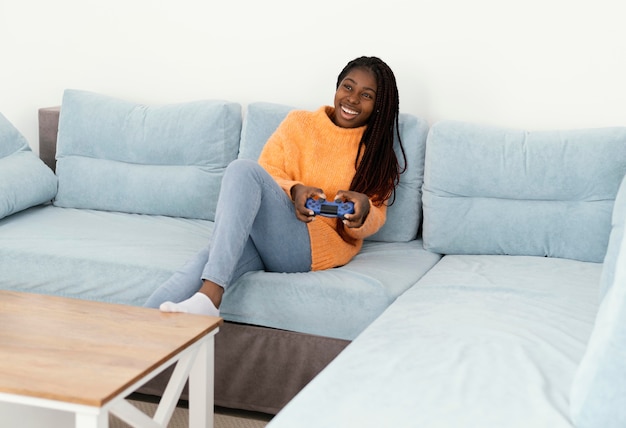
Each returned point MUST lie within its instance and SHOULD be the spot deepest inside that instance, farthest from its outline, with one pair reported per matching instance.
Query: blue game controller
(329, 209)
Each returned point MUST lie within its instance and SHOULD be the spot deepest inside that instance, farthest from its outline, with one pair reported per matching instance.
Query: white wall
(534, 64)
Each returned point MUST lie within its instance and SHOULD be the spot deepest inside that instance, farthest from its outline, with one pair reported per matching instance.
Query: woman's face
(355, 98)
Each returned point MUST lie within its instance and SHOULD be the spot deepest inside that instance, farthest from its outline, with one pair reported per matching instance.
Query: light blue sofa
(473, 306)
(137, 188)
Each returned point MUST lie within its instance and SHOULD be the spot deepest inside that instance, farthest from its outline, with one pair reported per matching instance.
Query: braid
(378, 172)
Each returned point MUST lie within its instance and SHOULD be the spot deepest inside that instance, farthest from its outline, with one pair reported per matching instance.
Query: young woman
(345, 151)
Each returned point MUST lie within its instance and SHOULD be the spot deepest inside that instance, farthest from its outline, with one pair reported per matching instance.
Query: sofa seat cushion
(490, 190)
(336, 303)
(25, 181)
(405, 215)
(123, 258)
(116, 155)
(96, 255)
(479, 341)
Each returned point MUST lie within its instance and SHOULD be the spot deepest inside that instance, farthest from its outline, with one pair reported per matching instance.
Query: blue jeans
(255, 229)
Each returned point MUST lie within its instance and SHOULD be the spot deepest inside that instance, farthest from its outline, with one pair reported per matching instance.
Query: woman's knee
(244, 174)
(240, 167)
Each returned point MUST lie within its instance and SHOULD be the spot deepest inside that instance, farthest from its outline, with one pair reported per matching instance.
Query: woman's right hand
(299, 194)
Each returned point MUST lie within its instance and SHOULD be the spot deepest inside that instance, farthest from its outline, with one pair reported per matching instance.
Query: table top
(86, 352)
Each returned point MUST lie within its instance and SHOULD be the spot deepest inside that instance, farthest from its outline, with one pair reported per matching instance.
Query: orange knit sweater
(308, 148)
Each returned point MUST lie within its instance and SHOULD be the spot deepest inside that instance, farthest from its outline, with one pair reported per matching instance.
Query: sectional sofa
(473, 305)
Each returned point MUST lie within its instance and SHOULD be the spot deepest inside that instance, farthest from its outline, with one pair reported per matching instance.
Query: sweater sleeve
(273, 158)
(374, 221)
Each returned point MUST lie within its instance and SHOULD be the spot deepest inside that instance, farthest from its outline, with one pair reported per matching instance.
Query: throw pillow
(25, 181)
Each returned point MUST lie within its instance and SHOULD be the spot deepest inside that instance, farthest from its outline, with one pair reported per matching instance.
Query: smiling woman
(262, 222)
(355, 98)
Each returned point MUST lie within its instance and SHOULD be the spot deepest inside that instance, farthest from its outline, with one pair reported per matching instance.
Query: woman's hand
(361, 207)
(299, 194)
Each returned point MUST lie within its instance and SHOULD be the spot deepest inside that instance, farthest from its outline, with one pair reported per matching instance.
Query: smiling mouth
(349, 111)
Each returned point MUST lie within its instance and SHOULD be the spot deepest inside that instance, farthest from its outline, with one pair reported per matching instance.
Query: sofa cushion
(404, 216)
(598, 392)
(491, 190)
(117, 155)
(479, 341)
(25, 181)
(337, 302)
(93, 254)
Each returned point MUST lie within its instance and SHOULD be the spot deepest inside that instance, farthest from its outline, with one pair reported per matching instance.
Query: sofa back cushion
(598, 391)
(404, 216)
(491, 190)
(116, 155)
(25, 181)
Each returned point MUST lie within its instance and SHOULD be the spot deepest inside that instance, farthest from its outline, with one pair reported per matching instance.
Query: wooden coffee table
(69, 362)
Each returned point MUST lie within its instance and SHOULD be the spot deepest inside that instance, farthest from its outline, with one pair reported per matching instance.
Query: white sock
(199, 304)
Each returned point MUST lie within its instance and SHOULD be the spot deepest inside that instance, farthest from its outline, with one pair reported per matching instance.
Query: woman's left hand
(361, 207)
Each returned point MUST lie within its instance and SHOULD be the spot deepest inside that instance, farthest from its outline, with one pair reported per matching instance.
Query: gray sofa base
(260, 369)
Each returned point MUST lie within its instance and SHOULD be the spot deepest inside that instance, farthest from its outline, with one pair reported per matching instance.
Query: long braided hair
(378, 172)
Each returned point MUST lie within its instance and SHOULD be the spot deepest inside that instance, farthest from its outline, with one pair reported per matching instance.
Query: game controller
(329, 209)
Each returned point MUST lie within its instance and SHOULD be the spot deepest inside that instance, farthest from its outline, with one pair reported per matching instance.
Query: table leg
(201, 381)
(92, 420)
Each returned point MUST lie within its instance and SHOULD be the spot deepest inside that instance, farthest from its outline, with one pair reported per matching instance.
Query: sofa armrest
(48, 129)
(598, 391)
